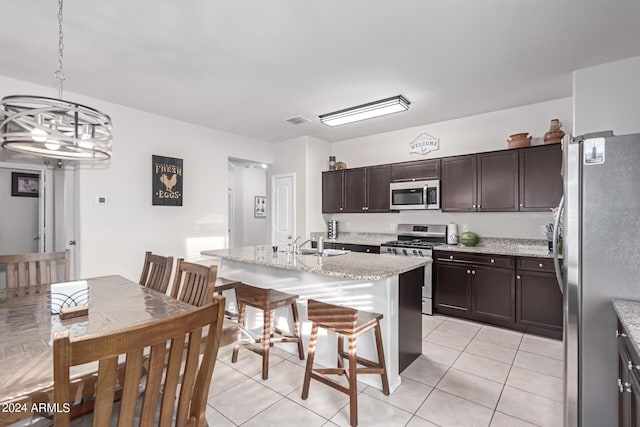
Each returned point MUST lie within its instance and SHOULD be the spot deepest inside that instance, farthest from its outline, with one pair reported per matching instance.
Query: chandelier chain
(60, 71)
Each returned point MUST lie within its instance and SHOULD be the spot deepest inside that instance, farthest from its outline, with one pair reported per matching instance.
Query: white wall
(112, 239)
(254, 183)
(606, 97)
(484, 132)
(318, 152)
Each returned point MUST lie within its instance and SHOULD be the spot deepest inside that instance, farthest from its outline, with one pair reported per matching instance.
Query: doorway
(247, 186)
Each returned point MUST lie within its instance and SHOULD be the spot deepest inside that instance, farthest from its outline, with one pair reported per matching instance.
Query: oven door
(408, 195)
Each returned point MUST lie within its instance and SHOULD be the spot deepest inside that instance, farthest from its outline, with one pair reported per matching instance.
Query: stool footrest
(331, 383)
(360, 360)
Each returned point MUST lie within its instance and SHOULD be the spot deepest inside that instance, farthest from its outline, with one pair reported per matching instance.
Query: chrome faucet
(297, 247)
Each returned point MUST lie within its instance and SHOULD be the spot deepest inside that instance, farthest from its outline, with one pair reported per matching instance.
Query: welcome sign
(424, 144)
(167, 181)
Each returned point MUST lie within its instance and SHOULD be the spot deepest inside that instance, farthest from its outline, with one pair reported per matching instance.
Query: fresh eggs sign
(424, 144)
(167, 181)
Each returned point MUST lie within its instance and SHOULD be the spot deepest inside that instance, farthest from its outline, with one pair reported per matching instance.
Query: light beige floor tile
(535, 382)
(283, 413)
(504, 420)
(419, 422)
(483, 367)
(425, 371)
(471, 387)
(542, 364)
(243, 401)
(447, 339)
(438, 353)
(547, 348)
(491, 351)
(543, 339)
(409, 396)
(530, 407)
(224, 377)
(215, 418)
(322, 400)
(429, 323)
(250, 363)
(500, 336)
(283, 377)
(446, 410)
(466, 329)
(373, 412)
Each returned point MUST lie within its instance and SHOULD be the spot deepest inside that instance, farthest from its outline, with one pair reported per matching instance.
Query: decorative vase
(519, 140)
(332, 163)
(554, 135)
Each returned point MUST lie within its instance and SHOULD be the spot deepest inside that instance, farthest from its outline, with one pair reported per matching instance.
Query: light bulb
(38, 134)
(52, 145)
(85, 137)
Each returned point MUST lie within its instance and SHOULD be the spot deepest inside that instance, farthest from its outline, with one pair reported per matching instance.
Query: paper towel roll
(452, 234)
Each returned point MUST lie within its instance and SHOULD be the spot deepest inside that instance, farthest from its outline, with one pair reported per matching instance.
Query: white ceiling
(244, 66)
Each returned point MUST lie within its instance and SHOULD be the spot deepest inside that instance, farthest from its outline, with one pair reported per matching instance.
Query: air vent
(297, 120)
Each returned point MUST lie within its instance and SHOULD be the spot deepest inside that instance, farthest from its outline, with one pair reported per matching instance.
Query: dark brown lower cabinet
(628, 382)
(519, 293)
(492, 294)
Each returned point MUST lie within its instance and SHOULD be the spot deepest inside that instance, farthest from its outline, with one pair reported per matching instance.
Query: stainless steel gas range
(418, 240)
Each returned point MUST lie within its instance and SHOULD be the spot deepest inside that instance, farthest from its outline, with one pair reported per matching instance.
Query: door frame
(273, 203)
(45, 202)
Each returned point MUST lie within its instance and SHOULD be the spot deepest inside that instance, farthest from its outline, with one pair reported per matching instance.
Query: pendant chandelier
(54, 128)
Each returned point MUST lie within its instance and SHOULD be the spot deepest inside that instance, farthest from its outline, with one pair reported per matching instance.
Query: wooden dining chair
(156, 272)
(176, 384)
(28, 272)
(194, 283)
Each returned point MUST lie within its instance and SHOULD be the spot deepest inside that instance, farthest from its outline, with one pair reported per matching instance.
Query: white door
(231, 216)
(283, 197)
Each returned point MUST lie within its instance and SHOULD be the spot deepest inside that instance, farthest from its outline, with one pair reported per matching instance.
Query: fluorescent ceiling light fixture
(366, 111)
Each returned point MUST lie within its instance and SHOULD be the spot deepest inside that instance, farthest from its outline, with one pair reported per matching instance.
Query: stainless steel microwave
(415, 195)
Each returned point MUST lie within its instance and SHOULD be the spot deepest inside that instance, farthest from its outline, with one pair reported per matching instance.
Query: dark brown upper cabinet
(498, 181)
(417, 170)
(458, 184)
(358, 190)
(540, 178)
(332, 192)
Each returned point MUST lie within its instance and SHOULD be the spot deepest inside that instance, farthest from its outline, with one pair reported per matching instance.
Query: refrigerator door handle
(556, 238)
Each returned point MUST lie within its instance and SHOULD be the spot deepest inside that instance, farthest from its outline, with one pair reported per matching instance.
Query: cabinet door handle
(492, 260)
(473, 272)
(450, 256)
(620, 334)
(340, 208)
(522, 205)
(631, 366)
(620, 386)
(473, 206)
(518, 277)
(468, 271)
(478, 206)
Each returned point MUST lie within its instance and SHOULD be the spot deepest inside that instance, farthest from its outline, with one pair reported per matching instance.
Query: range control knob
(395, 251)
(420, 253)
(404, 251)
(415, 252)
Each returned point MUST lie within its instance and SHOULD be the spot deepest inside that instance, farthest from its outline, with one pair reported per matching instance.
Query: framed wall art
(260, 208)
(25, 184)
(167, 181)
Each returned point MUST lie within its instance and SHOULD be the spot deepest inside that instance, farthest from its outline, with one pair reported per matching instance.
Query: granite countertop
(353, 265)
(502, 246)
(373, 239)
(629, 314)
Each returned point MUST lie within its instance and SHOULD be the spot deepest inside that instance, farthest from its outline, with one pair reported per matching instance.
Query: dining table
(27, 329)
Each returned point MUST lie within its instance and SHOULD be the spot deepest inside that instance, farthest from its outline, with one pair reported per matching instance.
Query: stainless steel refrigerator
(601, 261)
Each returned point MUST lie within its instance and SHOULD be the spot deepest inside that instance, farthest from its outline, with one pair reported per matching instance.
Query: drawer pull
(541, 265)
(631, 366)
(493, 260)
(620, 386)
(620, 334)
(450, 256)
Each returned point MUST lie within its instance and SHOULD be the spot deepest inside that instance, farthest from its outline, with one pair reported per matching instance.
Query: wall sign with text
(424, 144)
(167, 181)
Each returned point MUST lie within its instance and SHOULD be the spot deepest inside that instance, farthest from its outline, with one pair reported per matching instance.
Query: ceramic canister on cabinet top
(452, 234)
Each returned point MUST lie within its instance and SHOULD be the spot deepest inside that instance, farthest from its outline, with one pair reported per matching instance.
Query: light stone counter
(373, 239)
(629, 314)
(500, 246)
(353, 265)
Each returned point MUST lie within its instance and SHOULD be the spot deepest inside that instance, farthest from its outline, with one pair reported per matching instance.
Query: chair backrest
(194, 283)
(332, 316)
(252, 295)
(179, 337)
(156, 272)
(27, 272)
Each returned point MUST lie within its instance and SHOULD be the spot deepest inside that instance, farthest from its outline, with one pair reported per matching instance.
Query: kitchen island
(383, 284)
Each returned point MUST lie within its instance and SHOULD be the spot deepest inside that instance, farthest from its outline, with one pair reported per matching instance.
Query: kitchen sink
(327, 252)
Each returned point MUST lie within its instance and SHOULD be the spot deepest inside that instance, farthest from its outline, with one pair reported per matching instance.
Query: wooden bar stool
(224, 284)
(267, 300)
(346, 323)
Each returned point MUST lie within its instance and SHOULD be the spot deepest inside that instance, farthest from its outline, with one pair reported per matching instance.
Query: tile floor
(468, 375)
